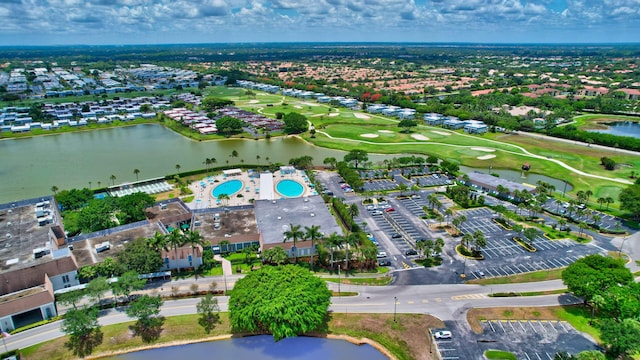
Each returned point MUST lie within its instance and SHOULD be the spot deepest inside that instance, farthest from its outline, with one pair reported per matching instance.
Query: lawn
(375, 281)
(406, 339)
(535, 276)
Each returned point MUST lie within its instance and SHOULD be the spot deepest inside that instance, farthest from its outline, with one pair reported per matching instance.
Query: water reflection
(262, 348)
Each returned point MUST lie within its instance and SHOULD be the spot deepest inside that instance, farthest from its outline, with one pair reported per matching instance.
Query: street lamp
(621, 245)
(395, 304)
(338, 280)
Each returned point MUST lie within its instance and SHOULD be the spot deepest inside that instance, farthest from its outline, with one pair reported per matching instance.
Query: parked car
(480, 273)
(396, 236)
(411, 252)
(389, 209)
(381, 254)
(384, 262)
(442, 334)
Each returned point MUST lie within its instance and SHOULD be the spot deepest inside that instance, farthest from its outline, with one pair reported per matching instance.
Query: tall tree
(333, 241)
(146, 309)
(594, 274)
(356, 156)
(285, 301)
(113, 179)
(96, 289)
(136, 172)
(312, 233)
(83, 329)
(128, 282)
(351, 240)
(294, 234)
(194, 239)
(176, 239)
(209, 312)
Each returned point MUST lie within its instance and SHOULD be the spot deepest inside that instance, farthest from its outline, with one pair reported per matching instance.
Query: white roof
(232, 171)
(266, 186)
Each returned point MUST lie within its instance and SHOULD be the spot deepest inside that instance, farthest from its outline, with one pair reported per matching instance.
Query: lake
(516, 176)
(622, 128)
(31, 166)
(262, 348)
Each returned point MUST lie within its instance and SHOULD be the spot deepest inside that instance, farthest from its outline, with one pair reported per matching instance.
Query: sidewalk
(227, 270)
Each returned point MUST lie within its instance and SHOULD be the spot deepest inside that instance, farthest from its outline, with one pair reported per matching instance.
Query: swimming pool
(289, 188)
(228, 187)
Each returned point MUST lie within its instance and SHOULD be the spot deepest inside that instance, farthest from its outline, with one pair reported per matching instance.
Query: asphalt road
(447, 302)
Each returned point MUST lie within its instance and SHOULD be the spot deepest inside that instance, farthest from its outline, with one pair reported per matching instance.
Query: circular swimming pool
(228, 187)
(289, 188)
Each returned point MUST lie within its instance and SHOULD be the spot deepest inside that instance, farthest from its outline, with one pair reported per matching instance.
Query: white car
(382, 254)
(442, 334)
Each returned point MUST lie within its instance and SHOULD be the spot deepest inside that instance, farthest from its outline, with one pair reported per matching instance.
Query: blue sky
(61, 22)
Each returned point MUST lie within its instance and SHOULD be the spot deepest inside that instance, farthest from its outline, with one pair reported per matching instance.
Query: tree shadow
(149, 330)
(84, 345)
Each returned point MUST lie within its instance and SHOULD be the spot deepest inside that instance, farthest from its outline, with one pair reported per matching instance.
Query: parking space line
(549, 356)
(538, 355)
(527, 355)
(500, 323)
(534, 329)
(511, 324)
(562, 325)
(553, 327)
(539, 323)
(522, 326)
(492, 329)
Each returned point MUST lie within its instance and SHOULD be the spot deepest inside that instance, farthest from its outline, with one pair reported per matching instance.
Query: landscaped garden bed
(524, 244)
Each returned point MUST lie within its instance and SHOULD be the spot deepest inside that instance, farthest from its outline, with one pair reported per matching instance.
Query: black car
(384, 262)
(396, 236)
(411, 252)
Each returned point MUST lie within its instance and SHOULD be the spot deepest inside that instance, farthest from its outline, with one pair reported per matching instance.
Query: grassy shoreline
(402, 340)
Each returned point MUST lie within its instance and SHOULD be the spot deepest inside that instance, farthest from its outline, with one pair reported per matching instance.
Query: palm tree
(54, 189)
(562, 223)
(194, 239)
(312, 233)
(350, 240)
(234, 154)
(466, 239)
(601, 201)
(353, 210)
(158, 242)
(113, 179)
(89, 185)
(136, 172)
(294, 234)
(479, 241)
(258, 159)
(224, 198)
(448, 213)
(178, 167)
(333, 241)
(175, 239)
(99, 184)
(609, 200)
(588, 194)
(207, 163)
(402, 187)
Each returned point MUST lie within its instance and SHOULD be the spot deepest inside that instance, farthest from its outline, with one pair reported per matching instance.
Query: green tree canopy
(594, 274)
(139, 257)
(285, 301)
(295, 123)
(147, 310)
(356, 156)
(211, 103)
(229, 125)
(127, 282)
(407, 124)
(630, 200)
(209, 312)
(83, 329)
(621, 337)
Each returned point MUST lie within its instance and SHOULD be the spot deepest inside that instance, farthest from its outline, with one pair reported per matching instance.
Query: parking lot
(504, 257)
(527, 339)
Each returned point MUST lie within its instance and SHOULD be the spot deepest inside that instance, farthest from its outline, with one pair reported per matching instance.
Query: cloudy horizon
(117, 22)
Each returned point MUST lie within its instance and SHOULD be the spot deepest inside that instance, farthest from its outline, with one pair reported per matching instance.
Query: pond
(523, 177)
(31, 166)
(622, 128)
(262, 348)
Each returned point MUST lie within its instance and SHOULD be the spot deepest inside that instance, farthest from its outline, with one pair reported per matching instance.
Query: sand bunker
(385, 131)
(254, 101)
(440, 132)
(486, 157)
(483, 149)
(361, 116)
(297, 106)
(371, 136)
(334, 114)
(419, 137)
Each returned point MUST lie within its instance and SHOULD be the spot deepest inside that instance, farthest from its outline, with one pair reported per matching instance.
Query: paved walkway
(227, 269)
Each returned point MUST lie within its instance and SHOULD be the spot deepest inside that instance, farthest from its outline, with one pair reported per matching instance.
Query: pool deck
(251, 189)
